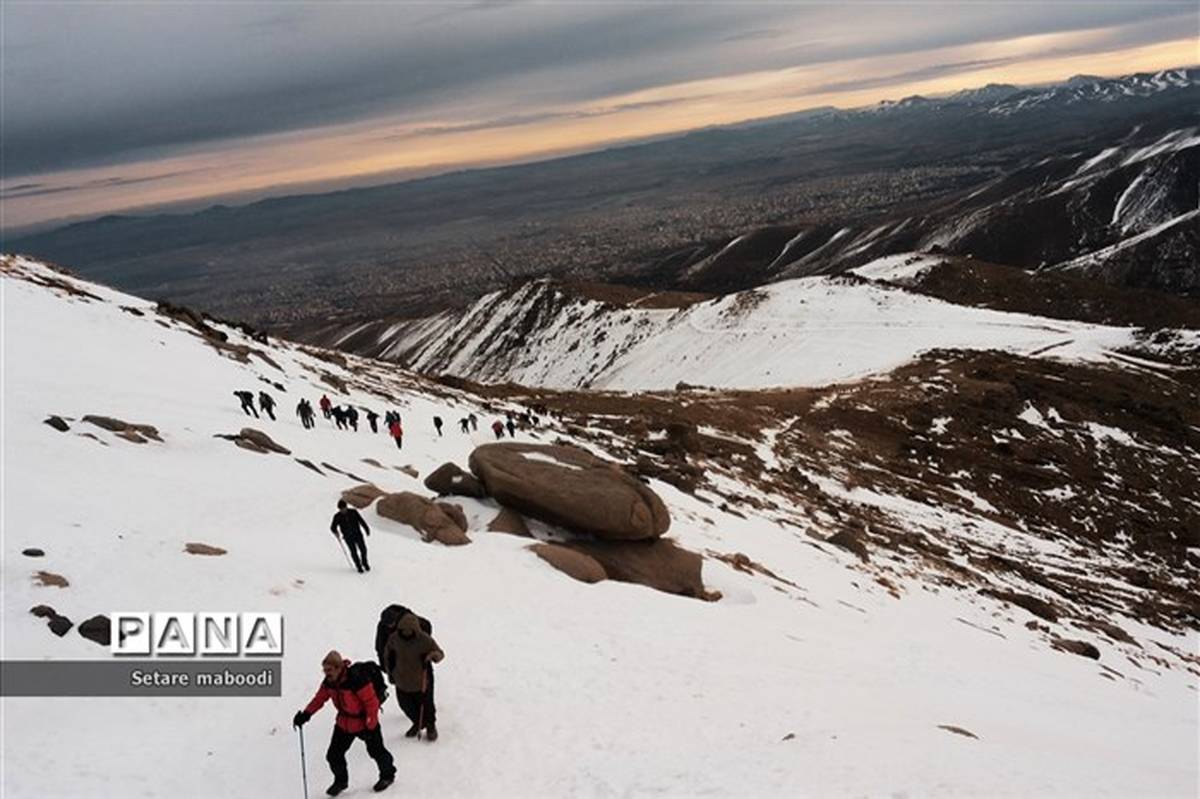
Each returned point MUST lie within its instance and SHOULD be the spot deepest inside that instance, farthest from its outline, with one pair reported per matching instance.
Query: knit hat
(334, 658)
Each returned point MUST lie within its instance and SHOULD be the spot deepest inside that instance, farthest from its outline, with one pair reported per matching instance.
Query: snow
(903, 269)
(550, 687)
(542, 457)
(810, 331)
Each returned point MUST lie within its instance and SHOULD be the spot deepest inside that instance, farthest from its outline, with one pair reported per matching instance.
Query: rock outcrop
(659, 564)
(578, 565)
(429, 518)
(59, 625)
(571, 488)
(360, 496)
(97, 628)
(137, 433)
(255, 441)
(195, 548)
(449, 480)
(509, 521)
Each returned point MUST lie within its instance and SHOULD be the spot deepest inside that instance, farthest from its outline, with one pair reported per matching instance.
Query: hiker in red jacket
(498, 429)
(357, 717)
(397, 432)
(326, 405)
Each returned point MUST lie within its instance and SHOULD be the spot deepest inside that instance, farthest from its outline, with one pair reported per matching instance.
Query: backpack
(369, 671)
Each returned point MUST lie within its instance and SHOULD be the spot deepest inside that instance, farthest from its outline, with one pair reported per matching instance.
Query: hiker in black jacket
(305, 411)
(389, 620)
(247, 400)
(351, 525)
(373, 420)
(266, 402)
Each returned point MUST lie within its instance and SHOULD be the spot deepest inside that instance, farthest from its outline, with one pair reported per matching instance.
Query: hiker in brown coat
(408, 650)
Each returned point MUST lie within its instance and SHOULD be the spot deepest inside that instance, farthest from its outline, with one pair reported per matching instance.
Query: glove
(300, 719)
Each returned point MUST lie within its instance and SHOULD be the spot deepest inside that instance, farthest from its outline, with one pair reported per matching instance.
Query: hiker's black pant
(269, 410)
(340, 743)
(358, 550)
(249, 409)
(374, 427)
(399, 442)
(411, 701)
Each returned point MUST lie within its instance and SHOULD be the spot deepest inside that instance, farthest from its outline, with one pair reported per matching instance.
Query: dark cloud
(89, 84)
(40, 189)
(519, 120)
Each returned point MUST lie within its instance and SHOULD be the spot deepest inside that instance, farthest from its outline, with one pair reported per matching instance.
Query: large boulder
(567, 486)
(659, 564)
(449, 480)
(425, 516)
(583, 568)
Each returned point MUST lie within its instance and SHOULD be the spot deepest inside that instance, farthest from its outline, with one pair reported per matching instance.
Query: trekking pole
(303, 764)
(421, 711)
(344, 552)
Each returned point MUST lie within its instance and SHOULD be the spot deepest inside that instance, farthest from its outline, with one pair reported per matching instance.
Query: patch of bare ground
(1056, 295)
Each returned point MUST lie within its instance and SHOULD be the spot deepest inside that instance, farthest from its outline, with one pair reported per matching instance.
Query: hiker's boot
(338, 786)
(431, 732)
(412, 731)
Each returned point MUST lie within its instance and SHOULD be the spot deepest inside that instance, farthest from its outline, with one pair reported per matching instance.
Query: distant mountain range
(1097, 175)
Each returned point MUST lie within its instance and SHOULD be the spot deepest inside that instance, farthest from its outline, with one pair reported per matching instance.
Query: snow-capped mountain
(975, 569)
(1005, 99)
(810, 331)
(1122, 211)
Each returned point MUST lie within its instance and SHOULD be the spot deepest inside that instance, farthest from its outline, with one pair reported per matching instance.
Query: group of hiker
(405, 652)
(347, 417)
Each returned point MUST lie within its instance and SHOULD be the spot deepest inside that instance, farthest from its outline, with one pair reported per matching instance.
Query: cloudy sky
(108, 106)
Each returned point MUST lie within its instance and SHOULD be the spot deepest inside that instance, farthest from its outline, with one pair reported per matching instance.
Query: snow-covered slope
(804, 332)
(818, 681)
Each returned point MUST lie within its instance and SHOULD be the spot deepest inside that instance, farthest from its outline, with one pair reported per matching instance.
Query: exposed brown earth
(1056, 295)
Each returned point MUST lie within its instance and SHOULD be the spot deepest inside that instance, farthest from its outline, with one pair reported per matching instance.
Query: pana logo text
(184, 634)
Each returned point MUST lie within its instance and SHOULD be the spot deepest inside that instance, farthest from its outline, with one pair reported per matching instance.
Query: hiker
(350, 523)
(409, 650)
(396, 430)
(474, 422)
(326, 405)
(339, 417)
(267, 404)
(512, 428)
(388, 618)
(373, 420)
(353, 694)
(305, 412)
(437, 422)
(352, 416)
(498, 429)
(247, 400)
(464, 424)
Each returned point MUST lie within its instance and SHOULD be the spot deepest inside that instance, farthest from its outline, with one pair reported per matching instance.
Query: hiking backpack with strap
(369, 671)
